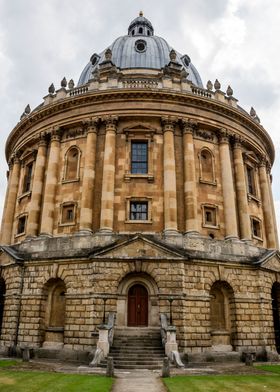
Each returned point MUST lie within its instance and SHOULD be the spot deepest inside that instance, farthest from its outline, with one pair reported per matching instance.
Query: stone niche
(222, 311)
(54, 307)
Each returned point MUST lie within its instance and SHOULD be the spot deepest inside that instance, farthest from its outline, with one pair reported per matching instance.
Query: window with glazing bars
(27, 178)
(139, 157)
(138, 210)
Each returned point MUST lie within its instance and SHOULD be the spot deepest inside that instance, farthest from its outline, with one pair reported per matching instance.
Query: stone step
(137, 350)
(131, 331)
(131, 367)
(159, 354)
(145, 344)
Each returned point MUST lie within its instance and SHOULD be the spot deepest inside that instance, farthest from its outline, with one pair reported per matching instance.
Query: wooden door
(137, 306)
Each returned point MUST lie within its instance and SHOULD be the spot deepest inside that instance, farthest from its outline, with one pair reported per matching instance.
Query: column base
(232, 238)
(105, 230)
(247, 241)
(84, 232)
(170, 232)
(191, 233)
(47, 235)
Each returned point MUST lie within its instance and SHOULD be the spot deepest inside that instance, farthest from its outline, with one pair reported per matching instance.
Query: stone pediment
(9, 256)
(271, 261)
(138, 248)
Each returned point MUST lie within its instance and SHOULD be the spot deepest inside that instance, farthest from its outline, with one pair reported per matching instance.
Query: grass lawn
(22, 381)
(236, 383)
(270, 368)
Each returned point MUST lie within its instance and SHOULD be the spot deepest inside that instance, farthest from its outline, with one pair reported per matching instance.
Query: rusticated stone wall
(87, 282)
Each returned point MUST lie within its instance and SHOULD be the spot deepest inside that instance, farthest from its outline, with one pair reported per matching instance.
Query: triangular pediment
(9, 256)
(140, 248)
(271, 261)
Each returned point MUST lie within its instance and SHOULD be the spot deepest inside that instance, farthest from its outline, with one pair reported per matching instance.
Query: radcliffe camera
(139, 225)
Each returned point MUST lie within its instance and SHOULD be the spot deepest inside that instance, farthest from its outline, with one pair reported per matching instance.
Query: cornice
(117, 95)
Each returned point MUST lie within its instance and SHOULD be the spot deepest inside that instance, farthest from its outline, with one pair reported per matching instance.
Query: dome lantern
(140, 26)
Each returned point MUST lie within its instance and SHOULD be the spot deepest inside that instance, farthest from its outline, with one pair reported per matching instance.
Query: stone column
(169, 177)
(227, 185)
(108, 179)
(10, 201)
(47, 220)
(190, 190)
(86, 214)
(34, 209)
(273, 211)
(266, 205)
(241, 191)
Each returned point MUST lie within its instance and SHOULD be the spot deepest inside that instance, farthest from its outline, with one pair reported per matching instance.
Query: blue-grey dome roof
(140, 49)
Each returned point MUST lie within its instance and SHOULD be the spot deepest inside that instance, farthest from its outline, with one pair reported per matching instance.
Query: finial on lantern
(141, 13)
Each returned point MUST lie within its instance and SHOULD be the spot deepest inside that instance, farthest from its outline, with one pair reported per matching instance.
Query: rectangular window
(68, 215)
(210, 216)
(138, 210)
(139, 157)
(21, 225)
(27, 178)
(256, 228)
(251, 180)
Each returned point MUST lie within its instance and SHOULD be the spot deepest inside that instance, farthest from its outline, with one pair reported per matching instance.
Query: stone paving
(138, 381)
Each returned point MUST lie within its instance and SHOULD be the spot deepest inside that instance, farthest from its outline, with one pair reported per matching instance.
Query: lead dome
(140, 49)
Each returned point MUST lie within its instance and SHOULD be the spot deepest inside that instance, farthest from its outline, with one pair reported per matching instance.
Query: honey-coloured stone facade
(140, 177)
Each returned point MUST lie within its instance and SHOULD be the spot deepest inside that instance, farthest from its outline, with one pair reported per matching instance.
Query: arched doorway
(275, 295)
(222, 316)
(2, 301)
(54, 311)
(137, 309)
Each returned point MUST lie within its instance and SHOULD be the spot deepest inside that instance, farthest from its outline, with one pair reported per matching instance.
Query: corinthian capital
(189, 125)
(110, 122)
(91, 124)
(56, 134)
(224, 135)
(168, 123)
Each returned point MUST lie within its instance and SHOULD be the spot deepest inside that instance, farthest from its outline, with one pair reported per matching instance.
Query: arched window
(72, 164)
(222, 314)
(140, 31)
(207, 168)
(275, 296)
(54, 310)
(2, 301)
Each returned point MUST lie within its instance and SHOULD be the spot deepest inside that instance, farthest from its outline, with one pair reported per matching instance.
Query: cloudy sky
(236, 41)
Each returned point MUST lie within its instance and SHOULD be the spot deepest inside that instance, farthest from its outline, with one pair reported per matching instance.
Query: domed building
(139, 202)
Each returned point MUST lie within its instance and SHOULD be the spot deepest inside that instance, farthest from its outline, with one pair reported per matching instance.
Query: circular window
(140, 45)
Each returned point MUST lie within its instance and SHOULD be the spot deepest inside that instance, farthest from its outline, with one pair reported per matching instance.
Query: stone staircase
(136, 348)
